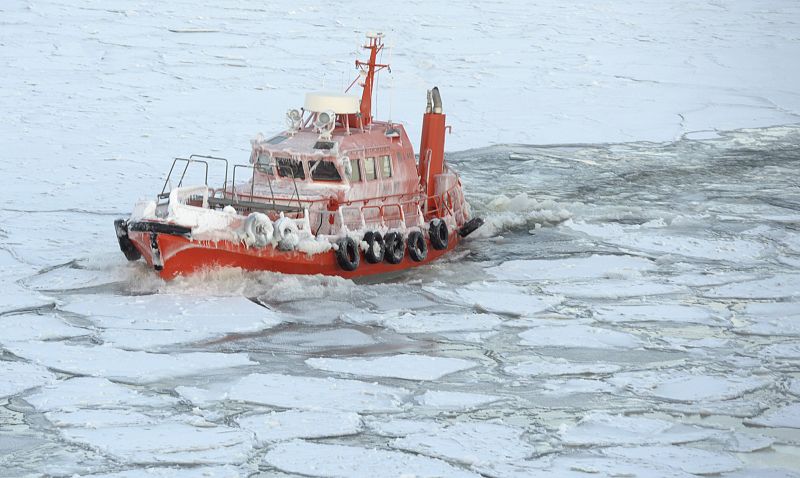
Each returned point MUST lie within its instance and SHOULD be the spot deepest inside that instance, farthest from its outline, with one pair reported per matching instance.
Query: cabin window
(277, 139)
(290, 168)
(324, 171)
(370, 170)
(355, 170)
(386, 166)
(264, 163)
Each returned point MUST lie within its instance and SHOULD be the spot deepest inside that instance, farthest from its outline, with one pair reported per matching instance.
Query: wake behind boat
(336, 193)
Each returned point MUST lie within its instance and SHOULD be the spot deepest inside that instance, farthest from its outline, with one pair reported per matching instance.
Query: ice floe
(586, 465)
(312, 393)
(579, 336)
(592, 267)
(788, 350)
(16, 377)
(327, 460)
(96, 418)
(167, 442)
(783, 417)
(224, 471)
(281, 426)
(31, 326)
(688, 385)
(775, 287)
(775, 318)
(16, 298)
(602, 429)
(676, 313)
(551, 366)
(406, 366)
(123, 365)
(399, 427)
(334, 338)
(654, 239)
(613, 289)
(94, 393)
(685, 458)
(469, 443)
(129, 322)
(572, 386)
(445, 400)
(422, 323)
(498, 298)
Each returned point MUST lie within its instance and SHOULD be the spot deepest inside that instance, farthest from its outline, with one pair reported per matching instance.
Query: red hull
(182, 256)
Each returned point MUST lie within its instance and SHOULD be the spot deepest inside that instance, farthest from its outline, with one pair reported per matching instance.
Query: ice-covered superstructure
(336, 192)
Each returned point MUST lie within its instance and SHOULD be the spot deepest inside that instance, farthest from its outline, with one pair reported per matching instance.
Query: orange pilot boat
(336, 193)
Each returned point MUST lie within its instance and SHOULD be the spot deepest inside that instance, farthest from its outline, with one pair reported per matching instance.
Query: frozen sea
(630, 308)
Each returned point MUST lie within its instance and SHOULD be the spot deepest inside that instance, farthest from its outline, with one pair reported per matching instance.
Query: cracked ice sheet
(688, 386)
(282, 426)
(94, 393)
(604, 430)
(122, 365)
(684, 458)
(130, 322)
(579, 336)
(551, 366)
(444, 400)
(405, 366)
(167, 442)
(16, 377)
(784, 417)
(592, 267)
(674, 313)
(473, 444)
(311, 393)
(316, 459)
(497, 297)
(776, 287)
(28, 326)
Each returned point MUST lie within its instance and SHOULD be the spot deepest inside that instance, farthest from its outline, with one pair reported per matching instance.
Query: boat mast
(368, 70)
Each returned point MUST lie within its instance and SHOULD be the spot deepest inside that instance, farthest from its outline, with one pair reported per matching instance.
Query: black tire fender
(347, 255)
(439, 235)
(417, 247)
(375, 247)
(394, 247)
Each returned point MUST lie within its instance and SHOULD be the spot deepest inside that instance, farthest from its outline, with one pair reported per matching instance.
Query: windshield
(324, 171)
